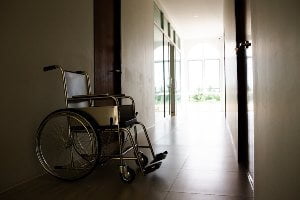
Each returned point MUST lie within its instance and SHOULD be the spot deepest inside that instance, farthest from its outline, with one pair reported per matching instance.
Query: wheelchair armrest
(80, 98)
(90, 96)
(118, 95)
(100, 95)
(130, 98)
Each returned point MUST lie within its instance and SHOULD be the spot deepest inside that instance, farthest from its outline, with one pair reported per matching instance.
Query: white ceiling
(196, 18)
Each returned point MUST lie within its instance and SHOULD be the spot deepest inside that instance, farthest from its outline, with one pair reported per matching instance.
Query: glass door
(166, 61)
(167, 77)
(159, 74)
(177, 79)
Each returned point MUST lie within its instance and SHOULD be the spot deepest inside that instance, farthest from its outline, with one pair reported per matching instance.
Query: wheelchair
(70, 142)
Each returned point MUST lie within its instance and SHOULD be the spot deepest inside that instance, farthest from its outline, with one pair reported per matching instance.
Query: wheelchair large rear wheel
(67, 144)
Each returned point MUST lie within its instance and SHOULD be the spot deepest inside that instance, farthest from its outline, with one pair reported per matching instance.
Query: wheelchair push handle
(51, 67)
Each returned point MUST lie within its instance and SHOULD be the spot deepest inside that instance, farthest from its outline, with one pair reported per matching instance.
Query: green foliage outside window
(201, 96)
(205, 97)
(159, 99)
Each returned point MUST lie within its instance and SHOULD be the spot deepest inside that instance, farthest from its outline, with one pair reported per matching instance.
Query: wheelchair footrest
(152, 167)
(159, 157)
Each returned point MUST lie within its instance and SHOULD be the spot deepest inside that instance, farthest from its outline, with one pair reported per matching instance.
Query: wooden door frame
(240, 14)
(107, 40)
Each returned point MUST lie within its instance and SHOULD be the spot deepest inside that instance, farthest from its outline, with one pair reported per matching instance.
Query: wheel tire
(143, 159)
(67, 144)
(128, 176)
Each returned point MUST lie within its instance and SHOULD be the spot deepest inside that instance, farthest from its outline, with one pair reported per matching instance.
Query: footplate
(159, 157)
(152, 167)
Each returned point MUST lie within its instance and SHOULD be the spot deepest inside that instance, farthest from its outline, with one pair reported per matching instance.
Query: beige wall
(137, 56)
(231, 71)
(33, 34)
(276, 30)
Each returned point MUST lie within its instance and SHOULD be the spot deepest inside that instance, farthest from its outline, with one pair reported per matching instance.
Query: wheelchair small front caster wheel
(127, 174)
(142, 158)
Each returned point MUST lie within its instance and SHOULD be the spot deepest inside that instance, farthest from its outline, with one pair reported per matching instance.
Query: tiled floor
(200, 165)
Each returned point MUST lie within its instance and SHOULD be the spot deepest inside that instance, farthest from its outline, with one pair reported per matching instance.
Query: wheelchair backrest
(76, 83)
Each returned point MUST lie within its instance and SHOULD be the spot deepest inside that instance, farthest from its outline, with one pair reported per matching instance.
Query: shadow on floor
(200, 165)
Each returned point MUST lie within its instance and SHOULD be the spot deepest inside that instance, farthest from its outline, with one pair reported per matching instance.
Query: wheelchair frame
(111, 123)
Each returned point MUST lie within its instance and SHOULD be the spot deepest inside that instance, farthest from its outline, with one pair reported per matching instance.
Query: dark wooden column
(107, 46)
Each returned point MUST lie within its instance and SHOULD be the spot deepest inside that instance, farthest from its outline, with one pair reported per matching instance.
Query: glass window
(177, 40)
(212, 75)
(166, 27)
(195, 77)
(174, 37)
(204, 80)
(161, 20)
(172, 33)
(156, 13)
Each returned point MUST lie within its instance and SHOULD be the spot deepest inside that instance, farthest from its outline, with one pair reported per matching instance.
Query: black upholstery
(127, 116)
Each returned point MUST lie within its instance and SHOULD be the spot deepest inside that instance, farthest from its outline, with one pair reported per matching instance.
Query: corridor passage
(200, 165)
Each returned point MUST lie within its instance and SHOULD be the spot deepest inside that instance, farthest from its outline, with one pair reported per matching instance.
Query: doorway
(167, 66)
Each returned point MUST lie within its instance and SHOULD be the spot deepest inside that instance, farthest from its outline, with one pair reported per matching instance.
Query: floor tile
(103, 183)
(193, 196)
(208, 182)
(201, 164)
(212, 163)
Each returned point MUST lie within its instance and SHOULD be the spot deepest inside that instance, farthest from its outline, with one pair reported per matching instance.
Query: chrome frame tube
(64, 84)
(121, 149)
(148, 139)
(89, 87)
(125, 158)
(135, 135)
(91, 98)
(135, 149)
(132, 101)
(144, 147)
(127, 150)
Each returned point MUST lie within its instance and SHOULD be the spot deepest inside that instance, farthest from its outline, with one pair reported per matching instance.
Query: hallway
(200, 165)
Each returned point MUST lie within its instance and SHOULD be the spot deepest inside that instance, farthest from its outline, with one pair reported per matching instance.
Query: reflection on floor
(200, 165)
(206, 106)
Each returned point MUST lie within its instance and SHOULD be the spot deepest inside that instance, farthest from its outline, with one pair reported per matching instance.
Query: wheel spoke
(64, 152)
